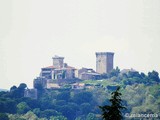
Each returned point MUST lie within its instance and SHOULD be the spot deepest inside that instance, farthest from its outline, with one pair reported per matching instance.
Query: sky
(33, 31)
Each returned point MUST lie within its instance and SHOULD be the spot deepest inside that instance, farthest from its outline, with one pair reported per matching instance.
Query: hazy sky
(33, 31)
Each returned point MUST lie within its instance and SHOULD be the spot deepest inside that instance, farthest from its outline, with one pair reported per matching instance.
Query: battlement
(104, 62)
(58, 61)
(104, 53)
(57, 57)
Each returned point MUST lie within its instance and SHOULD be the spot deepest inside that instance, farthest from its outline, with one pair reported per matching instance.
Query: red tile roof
(68, 67)
(49, 67)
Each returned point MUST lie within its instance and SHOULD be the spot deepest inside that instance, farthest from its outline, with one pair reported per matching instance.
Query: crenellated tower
(104, 62)
(58, 61)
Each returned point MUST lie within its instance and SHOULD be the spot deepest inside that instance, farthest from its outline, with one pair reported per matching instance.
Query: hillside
(3, 89)
(140, 95)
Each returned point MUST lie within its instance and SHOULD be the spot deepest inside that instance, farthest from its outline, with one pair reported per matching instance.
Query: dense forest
(140, 94)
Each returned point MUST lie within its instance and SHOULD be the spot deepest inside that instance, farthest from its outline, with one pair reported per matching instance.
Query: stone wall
(104, 62)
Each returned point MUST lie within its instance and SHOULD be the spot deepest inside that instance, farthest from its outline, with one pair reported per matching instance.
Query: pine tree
(113, 112)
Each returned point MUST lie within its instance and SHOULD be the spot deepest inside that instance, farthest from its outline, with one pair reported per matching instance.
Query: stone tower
(104, 62)
(58, 61)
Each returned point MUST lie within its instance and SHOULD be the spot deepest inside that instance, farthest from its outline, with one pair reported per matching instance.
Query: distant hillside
(3, 89)
(79, 99)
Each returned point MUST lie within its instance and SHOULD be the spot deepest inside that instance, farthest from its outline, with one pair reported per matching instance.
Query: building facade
(88, 74)
(104, 62)
(31, 93)
(59, 70)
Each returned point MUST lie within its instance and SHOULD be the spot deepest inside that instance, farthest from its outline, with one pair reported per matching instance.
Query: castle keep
(104, 62)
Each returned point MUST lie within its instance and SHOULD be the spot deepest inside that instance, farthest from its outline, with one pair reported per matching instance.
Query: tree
(21, 89)
(30, 116)
(3, 116)
(13, 88)
(48, 113)
(14, 93)
(68, 111)
(153, 76)
(85, 108)
(58, 118)
(7, 105)
(104, 76)
(64, 96)
(114, 72)
(83, 97)
(15, 117)
(91, 116)
(22, 108)
(17, 92)
(22, 86)
(37, 111)
(113, 112)
(132, 74)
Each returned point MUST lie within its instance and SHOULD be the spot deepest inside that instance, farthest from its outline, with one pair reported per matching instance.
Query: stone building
(31, 93)
(40, 82)
(52, 76)
(59, 70)
(78, 86)
(104, 62)
(51, 85)
(88, 74)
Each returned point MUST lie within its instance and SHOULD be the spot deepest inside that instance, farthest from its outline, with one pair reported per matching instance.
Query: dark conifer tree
(113, 112)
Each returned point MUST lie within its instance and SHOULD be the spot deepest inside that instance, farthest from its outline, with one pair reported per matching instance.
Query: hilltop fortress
(60, 71)
(59, 74)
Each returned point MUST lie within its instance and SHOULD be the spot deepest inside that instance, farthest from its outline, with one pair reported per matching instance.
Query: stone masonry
(104, 62)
